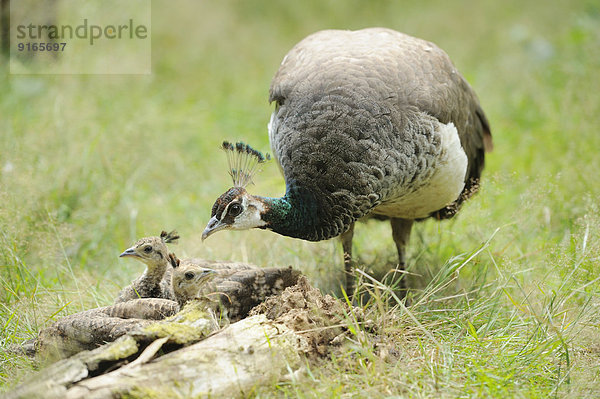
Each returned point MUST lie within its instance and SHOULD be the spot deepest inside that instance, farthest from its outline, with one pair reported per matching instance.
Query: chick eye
(235, 209)
(148, 249)
(189, 275)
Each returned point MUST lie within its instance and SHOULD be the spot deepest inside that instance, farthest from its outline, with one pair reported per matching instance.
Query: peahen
(368, 123)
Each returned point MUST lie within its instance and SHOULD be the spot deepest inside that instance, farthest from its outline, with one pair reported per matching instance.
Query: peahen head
(152, 250)
(237, 209)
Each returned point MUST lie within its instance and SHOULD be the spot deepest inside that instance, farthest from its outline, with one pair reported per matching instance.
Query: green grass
(507, 294)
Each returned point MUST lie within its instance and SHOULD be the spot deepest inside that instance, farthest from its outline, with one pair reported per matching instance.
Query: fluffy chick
(237, 287)
(155, 282)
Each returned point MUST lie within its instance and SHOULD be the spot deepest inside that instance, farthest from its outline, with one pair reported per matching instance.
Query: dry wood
(189, 355)
(228, 364)
(90, 329)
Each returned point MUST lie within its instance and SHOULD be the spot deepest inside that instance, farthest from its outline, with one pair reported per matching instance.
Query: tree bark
(92, 328)
(191, 355)
(231, 363)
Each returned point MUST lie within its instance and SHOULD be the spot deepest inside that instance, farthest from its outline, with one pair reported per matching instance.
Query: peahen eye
(189, 275)
(235, 209)
(148, 249)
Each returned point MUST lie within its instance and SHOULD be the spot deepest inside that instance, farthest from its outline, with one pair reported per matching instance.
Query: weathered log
(190, 325)
(234, 288)
(52, 382)
(251, 352)
(261, 349)
(92, 328)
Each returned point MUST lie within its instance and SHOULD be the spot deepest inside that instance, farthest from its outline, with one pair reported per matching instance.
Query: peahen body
(368, 123)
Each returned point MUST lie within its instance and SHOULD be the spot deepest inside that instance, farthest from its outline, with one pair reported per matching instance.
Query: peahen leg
(400, 233)
(348, 267)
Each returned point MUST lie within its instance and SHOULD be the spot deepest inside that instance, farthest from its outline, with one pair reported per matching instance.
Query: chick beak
(129, 252)
(209, 272)
(213, 226)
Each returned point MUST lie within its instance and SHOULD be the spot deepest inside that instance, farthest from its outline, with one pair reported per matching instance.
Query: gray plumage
(369, 123)
(357, 118)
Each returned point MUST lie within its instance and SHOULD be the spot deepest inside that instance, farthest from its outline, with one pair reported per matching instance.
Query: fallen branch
(188, 356)
(92, 328)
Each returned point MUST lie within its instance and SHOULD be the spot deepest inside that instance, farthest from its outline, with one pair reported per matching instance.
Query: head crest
(243, 162)
(170, 237)
(173, 260)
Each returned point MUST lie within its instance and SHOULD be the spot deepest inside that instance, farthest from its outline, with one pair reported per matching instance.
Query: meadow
(506, 296)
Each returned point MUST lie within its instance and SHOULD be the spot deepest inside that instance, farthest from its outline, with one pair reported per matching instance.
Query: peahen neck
(297, 214)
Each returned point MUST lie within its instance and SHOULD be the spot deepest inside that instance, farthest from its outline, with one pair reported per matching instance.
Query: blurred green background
(90, 163)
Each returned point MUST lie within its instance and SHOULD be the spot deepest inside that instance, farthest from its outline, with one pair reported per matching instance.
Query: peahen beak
(129, 252)
(213, 226)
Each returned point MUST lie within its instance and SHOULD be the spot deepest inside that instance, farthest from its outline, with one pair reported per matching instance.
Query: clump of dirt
(321, 319)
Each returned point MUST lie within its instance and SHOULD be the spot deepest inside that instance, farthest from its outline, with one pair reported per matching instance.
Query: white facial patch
(250, 216)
